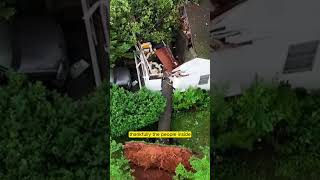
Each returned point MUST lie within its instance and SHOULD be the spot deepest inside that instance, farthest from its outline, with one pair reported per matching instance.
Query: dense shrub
(119, 165)
(122, 31)
(131, 111)
(132, 20)
(240, 121)
(302, 135)
(285, 120)
(44, 135)
(190, 99)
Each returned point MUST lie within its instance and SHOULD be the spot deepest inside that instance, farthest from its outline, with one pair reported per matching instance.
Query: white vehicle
(194, 73)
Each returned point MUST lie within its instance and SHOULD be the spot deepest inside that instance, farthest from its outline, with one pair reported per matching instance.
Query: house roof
(222, 6)
(198, 17)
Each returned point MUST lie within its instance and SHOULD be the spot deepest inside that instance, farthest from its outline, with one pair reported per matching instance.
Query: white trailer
(194, 73)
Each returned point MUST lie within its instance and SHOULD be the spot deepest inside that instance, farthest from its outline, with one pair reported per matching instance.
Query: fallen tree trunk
(165, 119)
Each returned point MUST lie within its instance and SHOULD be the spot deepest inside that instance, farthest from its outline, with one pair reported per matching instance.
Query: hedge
(44, 135)
(132, 111)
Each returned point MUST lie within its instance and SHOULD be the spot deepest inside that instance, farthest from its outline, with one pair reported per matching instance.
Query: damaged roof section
(196, 19)
(222, 37)
(166, 57)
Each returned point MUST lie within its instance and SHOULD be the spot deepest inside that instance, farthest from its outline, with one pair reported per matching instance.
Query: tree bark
(165, 119)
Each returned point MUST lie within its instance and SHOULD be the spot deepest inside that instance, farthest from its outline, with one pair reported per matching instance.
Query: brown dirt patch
(153, 161)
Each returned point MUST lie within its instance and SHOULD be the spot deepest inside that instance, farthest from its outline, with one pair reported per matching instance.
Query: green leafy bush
(201, 167)
(122, 30)
(285, 120)
(119, 165)
(239, 122)
(132, 20)
(131, 111)
(44, 135)
(190, 99)
(302, 135)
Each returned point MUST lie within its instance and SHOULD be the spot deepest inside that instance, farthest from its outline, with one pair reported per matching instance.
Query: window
(300, 57)
(204, 79)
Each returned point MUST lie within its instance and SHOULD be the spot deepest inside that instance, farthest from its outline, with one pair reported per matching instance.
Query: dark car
(121, 76)
(34, 46)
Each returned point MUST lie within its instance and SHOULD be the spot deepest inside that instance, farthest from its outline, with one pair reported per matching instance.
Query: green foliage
(44, 135)
(5, 11)
(261, 107)
(299, 167)
(122, 30)
(132, 20)
(264, 167)
(191, 98)
(237, 168)
(303, 135)
(156, 19)
(192, 114)
(119, 165)
(239, 138)
(182, 173)
(201, 167)
(132, 111)
(239, 122)
(285, 119)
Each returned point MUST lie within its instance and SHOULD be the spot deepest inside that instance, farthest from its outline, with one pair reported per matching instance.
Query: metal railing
(88, 12)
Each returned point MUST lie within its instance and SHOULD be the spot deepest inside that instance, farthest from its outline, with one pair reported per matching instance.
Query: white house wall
(274, 25)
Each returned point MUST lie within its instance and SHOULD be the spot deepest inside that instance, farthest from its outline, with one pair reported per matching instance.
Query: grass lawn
(198, 123)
